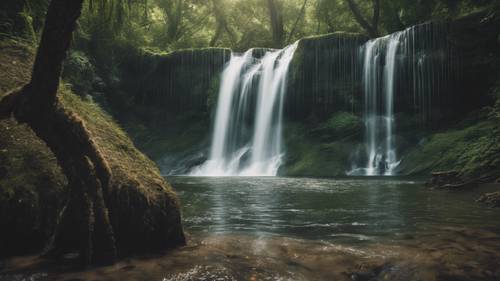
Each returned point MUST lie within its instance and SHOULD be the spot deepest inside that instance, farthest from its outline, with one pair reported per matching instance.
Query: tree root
(9, 102)
(88, 175)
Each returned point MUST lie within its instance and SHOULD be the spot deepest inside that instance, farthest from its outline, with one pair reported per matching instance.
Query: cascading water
(404, 64)
(242, 145)
(378, 87)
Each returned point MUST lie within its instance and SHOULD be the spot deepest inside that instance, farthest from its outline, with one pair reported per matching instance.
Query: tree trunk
(372, 28)
(222, 25)
(173, 10)
(277, 29)
(36, 104)
(300, 16)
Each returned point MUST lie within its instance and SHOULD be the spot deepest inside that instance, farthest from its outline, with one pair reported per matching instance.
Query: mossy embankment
(32, 186)
(165, 101)
(469, 149)
(144, 210)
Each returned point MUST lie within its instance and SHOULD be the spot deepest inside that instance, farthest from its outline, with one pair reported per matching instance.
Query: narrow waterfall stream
(378, 86)
(378, 77)
(247, 135)
(398, 66)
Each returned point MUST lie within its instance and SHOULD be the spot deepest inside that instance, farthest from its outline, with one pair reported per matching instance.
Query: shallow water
(310, 229)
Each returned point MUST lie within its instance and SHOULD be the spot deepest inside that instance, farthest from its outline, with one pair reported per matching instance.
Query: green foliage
(470, 148)
(22, 19)
(79, 71)
(168, 25)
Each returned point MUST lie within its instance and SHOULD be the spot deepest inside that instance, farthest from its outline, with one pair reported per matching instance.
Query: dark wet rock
(98, 84)
(444, 179)
(490, 199)
(3, 172)
(163, 83)
(128, 267)
(71, 256)
(258, 53)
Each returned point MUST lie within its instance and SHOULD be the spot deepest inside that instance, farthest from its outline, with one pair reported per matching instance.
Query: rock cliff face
(439, 68)
(325, 76)
(179, 82)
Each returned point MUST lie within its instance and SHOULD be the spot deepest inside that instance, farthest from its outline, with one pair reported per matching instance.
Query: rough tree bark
(372, 28)
(277, 29)
(36, 104)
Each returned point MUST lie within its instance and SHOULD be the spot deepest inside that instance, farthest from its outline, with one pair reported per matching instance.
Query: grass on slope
(32, 186)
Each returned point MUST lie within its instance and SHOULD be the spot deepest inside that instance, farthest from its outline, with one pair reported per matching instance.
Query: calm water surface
(338, 210)
(306, 229)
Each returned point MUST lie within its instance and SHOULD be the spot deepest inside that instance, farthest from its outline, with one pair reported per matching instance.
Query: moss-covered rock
(340, 125)
(325, 75)
(306, 155)
(32, 186)
(470, 147)
(144, 210)
(177, 82)
(33, 189)
(491, 199)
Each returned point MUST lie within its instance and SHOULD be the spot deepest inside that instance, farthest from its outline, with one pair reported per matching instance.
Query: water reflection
(311, 229)
(345, 210)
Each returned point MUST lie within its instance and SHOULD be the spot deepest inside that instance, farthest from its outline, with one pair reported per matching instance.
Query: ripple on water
(321, 208)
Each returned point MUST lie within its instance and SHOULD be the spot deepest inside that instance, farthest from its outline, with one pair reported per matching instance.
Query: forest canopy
(166, 25)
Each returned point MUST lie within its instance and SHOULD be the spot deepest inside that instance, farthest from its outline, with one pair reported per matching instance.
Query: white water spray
(234, 151)
(378, 86)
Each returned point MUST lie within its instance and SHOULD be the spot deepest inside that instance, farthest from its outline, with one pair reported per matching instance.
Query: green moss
(469, 150)
(33, 188)
(338, 34)
(340, 125)
(307, 156)
(114, 143)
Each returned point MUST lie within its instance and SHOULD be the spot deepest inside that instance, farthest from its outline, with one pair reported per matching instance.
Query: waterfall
(379, 117)
(247, 134)
(405, 65)
(379, 76)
